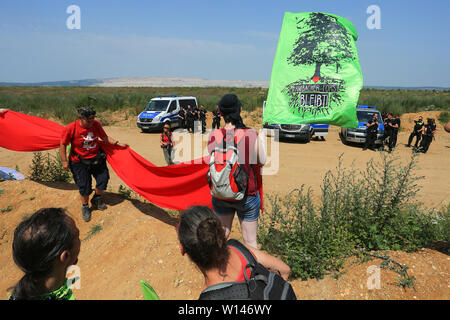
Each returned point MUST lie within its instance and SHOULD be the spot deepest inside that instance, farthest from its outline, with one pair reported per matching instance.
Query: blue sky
(231, 40)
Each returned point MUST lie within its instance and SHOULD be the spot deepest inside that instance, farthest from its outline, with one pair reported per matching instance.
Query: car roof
(173, 97)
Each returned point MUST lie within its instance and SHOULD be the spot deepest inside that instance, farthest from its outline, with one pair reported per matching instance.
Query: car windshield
(157, 105)
(366, 116)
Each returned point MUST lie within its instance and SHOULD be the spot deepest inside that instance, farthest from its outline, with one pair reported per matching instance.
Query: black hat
(229, 104)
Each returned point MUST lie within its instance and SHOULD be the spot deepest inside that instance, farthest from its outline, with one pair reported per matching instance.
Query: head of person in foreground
(44, 246)
(202, 238)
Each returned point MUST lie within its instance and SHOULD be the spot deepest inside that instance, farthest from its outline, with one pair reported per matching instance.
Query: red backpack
(227, 177)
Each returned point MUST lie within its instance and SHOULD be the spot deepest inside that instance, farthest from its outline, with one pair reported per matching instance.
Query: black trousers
(418, 136)
(389, 139)
(190, 125)
(203, 125)
(82, 174)
(425, 144)
(394, 138)
(370, 140)
(216, 123)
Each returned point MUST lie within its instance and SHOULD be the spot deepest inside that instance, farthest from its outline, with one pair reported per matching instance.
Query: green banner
(316, 77)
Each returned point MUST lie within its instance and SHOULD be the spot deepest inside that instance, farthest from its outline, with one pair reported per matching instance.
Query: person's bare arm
(260, 148)
(63, 154)
(3, 110)
(110, 140)
(270, 262)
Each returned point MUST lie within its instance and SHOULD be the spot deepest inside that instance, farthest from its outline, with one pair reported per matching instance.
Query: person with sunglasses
(86, 159)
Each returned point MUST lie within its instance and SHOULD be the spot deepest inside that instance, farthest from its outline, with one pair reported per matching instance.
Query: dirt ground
(138, 241)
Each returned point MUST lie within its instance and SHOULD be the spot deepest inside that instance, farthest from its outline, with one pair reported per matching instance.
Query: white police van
(161, 110)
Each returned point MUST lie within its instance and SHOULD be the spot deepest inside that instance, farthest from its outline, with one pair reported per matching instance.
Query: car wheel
(344, 141)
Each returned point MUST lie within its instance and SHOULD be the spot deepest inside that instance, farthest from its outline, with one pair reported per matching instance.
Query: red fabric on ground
(178, 186)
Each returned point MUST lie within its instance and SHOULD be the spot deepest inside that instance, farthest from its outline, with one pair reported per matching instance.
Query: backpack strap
(249, 257)
(226, 291)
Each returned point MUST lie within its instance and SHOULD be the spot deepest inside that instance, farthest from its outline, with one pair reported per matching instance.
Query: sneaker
(86, 212)
(97, 203)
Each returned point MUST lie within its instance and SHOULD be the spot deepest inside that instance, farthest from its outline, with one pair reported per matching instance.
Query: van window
(173, 106)
(157, 105)
(187, 102)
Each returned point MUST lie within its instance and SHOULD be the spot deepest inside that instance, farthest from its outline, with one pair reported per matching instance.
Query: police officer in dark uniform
(216, 118)
(417, 132)
(389, 131)
(182, 116)
(190, 119)
(372, 130)
(202, 116)
(396, 127)
(428, 134)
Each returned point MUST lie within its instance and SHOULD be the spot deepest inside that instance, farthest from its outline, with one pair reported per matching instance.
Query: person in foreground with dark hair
(229, 267)
(86, 159)
(44, 246)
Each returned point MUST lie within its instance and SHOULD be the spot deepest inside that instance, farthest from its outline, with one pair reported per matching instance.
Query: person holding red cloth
(86, 159)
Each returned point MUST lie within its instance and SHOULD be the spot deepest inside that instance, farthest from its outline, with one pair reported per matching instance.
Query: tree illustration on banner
(322, 40)
(316, 76)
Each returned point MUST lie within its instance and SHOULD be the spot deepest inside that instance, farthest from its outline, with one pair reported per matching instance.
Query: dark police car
(358, 135)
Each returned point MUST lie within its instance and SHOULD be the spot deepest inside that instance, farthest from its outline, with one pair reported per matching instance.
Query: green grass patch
(369, 210)
(7, 209)
(61, 102)
(94, 230)
(444, 117)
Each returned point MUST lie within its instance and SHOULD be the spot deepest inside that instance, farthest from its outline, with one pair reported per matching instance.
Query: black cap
(229, 104)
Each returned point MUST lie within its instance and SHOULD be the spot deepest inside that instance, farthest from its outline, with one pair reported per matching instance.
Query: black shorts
(82, 175)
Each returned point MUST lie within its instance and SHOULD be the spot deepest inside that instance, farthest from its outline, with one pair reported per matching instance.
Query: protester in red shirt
(86, 159)
(167, 144)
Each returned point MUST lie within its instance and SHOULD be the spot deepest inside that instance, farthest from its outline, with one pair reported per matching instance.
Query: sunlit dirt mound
(137, 240)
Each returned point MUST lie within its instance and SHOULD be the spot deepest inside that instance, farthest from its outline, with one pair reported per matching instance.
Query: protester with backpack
(167, 143)
(231, 270)
(86, 159)
(237, 156)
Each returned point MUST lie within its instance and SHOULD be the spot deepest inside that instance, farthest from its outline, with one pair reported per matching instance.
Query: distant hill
(176, 82)
(70, 83)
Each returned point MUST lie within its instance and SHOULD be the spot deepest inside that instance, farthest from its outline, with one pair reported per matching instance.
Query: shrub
(444, 117)
(366, 210)
(48, 168)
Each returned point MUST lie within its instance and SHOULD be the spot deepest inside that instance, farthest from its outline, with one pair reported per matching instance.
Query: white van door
(172, 113)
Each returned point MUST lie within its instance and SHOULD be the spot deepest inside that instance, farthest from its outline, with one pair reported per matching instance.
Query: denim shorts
(247, 208)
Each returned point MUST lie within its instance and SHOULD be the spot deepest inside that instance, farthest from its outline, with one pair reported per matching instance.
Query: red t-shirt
(246, 139)
(166, 138)
(241, 276)
(84, 141)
